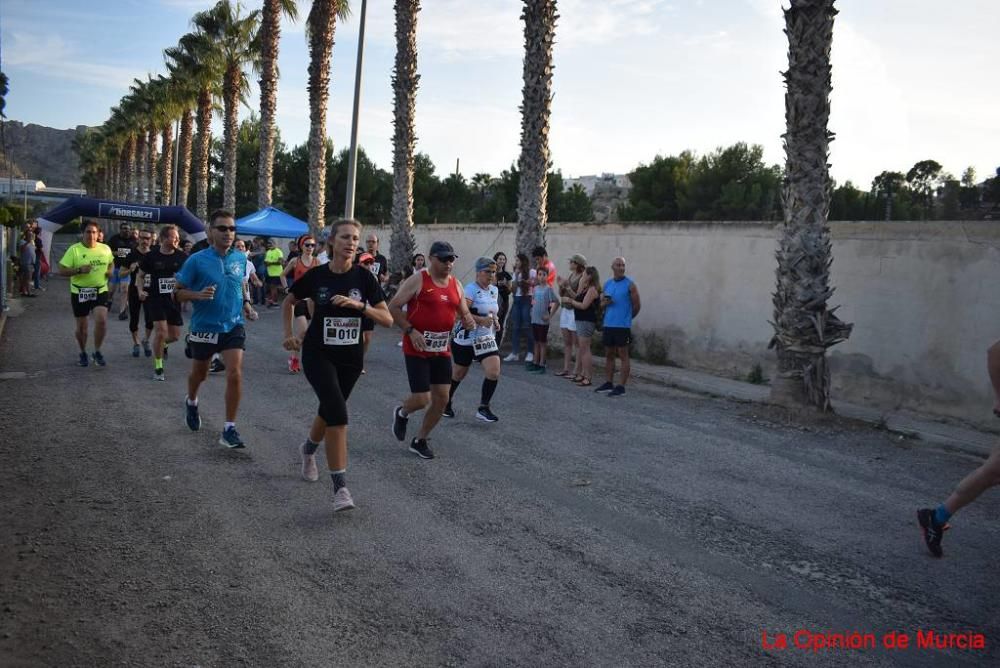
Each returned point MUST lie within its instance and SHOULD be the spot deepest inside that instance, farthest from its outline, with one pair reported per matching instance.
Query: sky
(912, 79)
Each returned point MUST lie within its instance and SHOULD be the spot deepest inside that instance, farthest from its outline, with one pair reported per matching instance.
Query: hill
(43, 153)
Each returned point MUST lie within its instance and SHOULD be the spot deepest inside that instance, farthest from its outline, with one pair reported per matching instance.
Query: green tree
(925, 178)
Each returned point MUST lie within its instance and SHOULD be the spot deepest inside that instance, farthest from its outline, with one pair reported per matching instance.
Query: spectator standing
(541, 258)
(568, 287)
(621, 306)
(520, 315)
(26, 262)
(503, 283)
(544, 304)
(274, 262)
(585, 309)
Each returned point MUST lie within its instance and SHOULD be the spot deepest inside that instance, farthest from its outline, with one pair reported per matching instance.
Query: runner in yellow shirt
(274, 260)
(88, 265)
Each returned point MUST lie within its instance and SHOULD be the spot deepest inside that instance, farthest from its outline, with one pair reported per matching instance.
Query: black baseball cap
(441, 249)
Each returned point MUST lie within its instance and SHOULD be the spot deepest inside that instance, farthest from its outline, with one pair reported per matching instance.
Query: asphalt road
(659, 529)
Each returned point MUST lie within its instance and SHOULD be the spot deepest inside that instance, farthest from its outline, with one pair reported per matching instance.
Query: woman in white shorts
(568, 287)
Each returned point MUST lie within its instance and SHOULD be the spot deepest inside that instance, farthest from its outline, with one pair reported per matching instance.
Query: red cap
(366, 257)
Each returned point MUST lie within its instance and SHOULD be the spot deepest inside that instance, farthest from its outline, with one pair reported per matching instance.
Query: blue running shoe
(231, 438)
(84, 360)
(99, 358)
(191, 416)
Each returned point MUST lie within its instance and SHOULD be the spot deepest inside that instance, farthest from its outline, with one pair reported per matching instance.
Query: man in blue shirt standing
(621, 305)
(212, 279)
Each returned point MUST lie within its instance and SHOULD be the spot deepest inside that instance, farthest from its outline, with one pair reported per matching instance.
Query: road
(659, 529)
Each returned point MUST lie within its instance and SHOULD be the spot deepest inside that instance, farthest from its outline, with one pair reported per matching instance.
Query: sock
(489, 387)
(941, 514)
(192, 402)
(454, 386)
(229, 425)
(338, 480)
(403, 413)
(309, 447)
(158, 363)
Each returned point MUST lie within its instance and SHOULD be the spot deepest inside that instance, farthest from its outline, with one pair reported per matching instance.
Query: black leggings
(331, 383)
(134, 308)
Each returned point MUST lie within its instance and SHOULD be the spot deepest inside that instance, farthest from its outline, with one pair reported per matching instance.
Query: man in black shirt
(121, 245)
(160, 264)
(134, 305)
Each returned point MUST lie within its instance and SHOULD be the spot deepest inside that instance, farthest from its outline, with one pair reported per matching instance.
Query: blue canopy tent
(271, 222)
(50, 221)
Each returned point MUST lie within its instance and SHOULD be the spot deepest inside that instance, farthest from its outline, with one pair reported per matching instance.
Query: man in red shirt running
(432, 298)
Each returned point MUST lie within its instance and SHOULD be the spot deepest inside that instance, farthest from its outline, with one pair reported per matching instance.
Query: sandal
(561, 374)
(584, 383)
(574, 379)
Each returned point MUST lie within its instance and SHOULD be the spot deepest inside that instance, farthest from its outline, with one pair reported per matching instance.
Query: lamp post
(352, 168)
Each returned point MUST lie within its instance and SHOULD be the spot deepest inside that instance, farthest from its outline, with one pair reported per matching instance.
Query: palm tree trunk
(231, 99)
(803, 326)
(201, 153)
(151, 155)
(140, 167)
(270, 34)
(167, 167)
(184, 158)
(322, 24)
(125, 171)
(404, 86)
(539, 18)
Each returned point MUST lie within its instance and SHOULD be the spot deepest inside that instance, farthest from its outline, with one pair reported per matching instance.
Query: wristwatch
(408, 329)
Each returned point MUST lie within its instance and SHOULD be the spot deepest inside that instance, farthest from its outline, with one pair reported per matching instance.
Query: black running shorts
(90, 301)
(163, 308)
(205, 344)
(423, 372)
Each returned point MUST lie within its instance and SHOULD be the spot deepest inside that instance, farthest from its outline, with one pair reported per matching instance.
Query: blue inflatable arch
(50, 221)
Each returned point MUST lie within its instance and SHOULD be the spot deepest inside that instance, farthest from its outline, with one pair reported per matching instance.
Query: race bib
(203, 337)
(436, 342)
(167, 285)
(341, 331)
(123, 252)
(482, 345)
(86, 295)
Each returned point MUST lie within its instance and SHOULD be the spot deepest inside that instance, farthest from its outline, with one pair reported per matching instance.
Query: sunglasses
(225, 228)
(309, 245)
(445, 258)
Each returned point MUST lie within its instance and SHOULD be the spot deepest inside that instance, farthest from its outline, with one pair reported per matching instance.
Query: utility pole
(352, 169)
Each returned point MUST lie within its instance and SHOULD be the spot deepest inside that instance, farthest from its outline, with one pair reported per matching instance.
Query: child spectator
(545, 303)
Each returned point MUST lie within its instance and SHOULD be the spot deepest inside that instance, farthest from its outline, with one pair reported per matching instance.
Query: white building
(588, 183)
(20, 186)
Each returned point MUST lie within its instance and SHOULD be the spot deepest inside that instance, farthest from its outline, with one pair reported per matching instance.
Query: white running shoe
(342, 500)
(529, 357)
(510, 358)
(309, 470)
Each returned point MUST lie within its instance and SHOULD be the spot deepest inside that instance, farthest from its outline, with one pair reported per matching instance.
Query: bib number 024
(341, 331)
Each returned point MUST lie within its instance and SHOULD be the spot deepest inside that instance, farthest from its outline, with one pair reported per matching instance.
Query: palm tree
(320, 27)
(803, 326)
(234, 37)
(196, 59)
(184, 88)
(268, 37)
(404, 87)
(539, 18)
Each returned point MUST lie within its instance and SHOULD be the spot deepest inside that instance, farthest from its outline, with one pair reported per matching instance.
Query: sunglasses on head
(225, 228)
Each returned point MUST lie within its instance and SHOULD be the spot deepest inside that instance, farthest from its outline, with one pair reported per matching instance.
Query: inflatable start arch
(50, 221)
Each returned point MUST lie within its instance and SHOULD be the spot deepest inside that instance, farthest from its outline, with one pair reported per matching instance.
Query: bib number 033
(341, 331)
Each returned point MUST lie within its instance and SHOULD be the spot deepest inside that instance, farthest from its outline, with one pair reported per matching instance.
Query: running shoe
(538, 369)
(187, 347)
(231, 438)
(619, 391)
(342, 500)
(448, 411)
(510, 358)
(399, 424)
(933, 532)
(530, 357)
(293, 365)
(486, 415)
(136, 350)
(84, 360)
(419, 447)
(99, 358)
(158, 374)
(147, 349)
(606, 387)
(191, 416)
(217, 366)
(309, 470)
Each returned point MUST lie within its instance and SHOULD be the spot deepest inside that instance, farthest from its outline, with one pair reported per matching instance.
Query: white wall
(923, 297)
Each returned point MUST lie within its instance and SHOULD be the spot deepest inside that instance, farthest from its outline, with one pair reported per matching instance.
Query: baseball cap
(579, 259)
(366, 257)
(484, 263)
(441, 249)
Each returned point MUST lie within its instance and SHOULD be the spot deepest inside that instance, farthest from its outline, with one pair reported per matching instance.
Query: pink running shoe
(342, 500)
(309, 470)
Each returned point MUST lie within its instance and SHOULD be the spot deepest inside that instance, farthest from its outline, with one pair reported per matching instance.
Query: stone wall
(921, 295)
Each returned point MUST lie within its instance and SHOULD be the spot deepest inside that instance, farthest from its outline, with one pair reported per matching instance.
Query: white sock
(230, 424)
(190, 402)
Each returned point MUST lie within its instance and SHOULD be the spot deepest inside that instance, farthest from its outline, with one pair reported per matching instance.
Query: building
(589, 183)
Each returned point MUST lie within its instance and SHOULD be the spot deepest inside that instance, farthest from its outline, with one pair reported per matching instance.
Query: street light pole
(352, 169)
